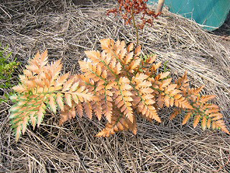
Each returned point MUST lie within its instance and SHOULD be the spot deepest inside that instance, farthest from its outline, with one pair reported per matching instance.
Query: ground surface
(66, 31)
(224, 33)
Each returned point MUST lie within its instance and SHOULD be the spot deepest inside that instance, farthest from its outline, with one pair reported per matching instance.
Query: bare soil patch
(67, 31)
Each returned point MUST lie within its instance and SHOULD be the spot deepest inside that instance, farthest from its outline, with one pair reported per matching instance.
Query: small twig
(5, 12)
(226, 163)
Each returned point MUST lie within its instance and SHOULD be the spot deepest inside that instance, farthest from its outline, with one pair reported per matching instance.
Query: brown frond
(97, 109)
(37, 63)
(94, 56)
(88, 110)
(204, 123)
(206, 98)
(176, 112)
(196, 120)
(156, 66)
(128, 58)
(124, 98)
(183, 82)
(130, 47)
(134, 64)
(208, 114)
(186, 118)
(138, 50)
(67, 114)
(52, 103)
(144, 98)
(151, 59)
(148, 111)
(182, 102)
(106, 43)
(119, 122)
(195, 91)
(79, 109)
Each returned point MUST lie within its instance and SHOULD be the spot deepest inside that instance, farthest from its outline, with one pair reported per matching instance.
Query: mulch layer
(66, 31)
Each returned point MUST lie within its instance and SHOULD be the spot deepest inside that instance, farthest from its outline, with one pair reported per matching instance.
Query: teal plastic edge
(210, 14)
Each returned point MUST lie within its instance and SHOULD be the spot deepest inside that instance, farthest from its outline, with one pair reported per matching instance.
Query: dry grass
(66, 31)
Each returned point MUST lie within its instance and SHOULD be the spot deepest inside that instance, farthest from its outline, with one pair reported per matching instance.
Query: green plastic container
(210, 14)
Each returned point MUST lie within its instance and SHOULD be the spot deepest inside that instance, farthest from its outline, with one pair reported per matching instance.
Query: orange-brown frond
(196, 120)
(61, 80)
(88, 109)
(186, 118)
(79, 109)
(67, 84)
(97, 109)
(128, 58)
(67, 114)
(106, 43)
(156, 66)
(95, 56)
(130, 47)
(138, 50)
(181, 102)
(133, 65)
(195, 91)
(60, 101)
(221, 125)
(148, 111)
(52, 103)
(183, 82)
(204, 123)
(206, 98)
(124, 99)
(165, 83)
(118, 123)
(19, 88)
(175, 113)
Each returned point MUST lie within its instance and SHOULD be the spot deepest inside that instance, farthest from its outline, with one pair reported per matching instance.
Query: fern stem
(135, 26)
(109, 68)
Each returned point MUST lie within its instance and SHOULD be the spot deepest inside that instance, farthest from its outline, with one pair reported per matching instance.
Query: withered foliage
(129, 8)
(116, 84)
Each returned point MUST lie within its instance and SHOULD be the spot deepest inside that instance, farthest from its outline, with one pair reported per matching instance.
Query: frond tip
(119, 122)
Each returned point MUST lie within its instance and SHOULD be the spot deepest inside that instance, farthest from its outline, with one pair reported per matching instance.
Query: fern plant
(117, 84)
(7, 69)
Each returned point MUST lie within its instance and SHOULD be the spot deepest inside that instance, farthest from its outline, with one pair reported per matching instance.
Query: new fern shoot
(116, 85)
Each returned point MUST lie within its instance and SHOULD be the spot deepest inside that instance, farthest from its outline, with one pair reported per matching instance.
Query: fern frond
(124, 98)
(115, 84)
(145, 98)
(36, 64)
(26, 108)
(97, 109)
(183, 82)
(176, 112)
(67, 114)
(167, 93)
(206, 113)
(119, 122)
(43, 87)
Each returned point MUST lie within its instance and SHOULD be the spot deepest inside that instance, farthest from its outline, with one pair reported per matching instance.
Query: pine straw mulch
(66, 31)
